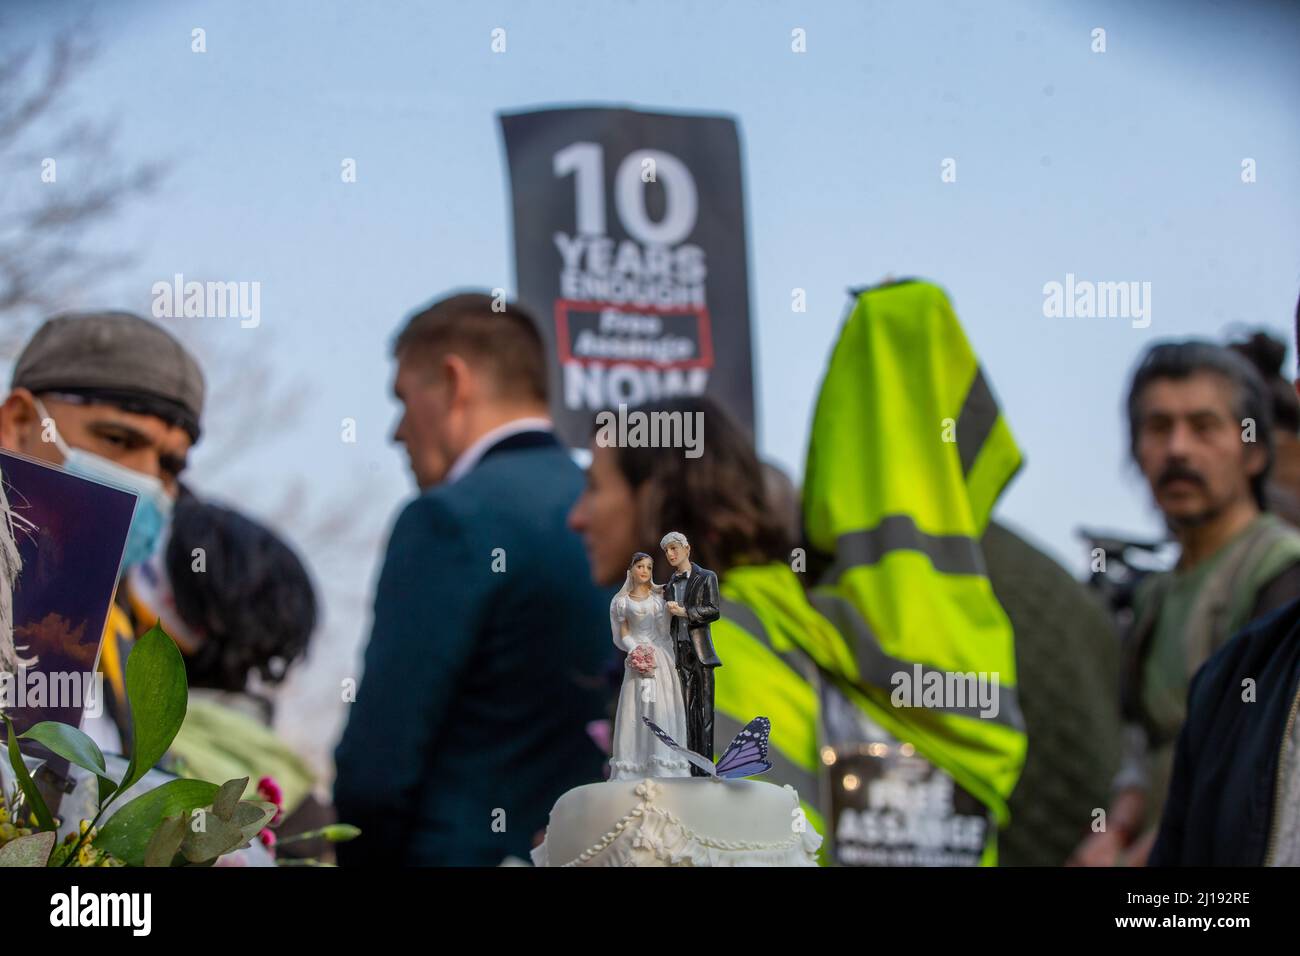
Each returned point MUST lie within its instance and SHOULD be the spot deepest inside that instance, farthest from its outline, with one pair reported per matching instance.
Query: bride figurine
(651, 687)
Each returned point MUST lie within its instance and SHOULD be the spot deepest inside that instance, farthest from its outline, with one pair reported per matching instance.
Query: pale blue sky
(1122, 166)
(1116, 166)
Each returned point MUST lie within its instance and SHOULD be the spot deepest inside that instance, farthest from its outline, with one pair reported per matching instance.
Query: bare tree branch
(49, 258)
(48, 221)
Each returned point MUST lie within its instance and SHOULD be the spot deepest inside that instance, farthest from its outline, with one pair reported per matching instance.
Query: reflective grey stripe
(949, 553)
(784, 770)
(975, 421)
(877, 668)
(744, 616)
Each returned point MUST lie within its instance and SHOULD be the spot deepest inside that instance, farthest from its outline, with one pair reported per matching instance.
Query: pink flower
(268, 838)
(270, 791)
(642, 659)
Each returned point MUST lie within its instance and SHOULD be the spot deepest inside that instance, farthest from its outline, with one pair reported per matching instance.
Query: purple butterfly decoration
(745, 756)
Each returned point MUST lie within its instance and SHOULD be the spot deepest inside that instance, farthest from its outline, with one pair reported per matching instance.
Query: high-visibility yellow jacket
(908, 455)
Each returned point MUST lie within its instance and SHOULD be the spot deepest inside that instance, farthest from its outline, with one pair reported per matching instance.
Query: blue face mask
(153, 506)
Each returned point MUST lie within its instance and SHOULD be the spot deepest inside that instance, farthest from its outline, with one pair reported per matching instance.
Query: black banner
(630, 248)
(891, 808)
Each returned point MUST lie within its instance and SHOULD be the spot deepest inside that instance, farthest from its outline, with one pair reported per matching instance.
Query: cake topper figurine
(692, 601)
(651, 688)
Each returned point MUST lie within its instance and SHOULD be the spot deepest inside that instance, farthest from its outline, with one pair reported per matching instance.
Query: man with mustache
(1234, 794)
(112, 397)
(1201, 431)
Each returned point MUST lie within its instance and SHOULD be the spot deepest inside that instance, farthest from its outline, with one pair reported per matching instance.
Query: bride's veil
(622, 593)
(613, 617)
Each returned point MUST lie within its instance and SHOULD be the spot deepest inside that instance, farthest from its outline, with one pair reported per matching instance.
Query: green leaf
(228, 797)
(68, 742)
(252, 815)
(126, 834)
(253, 812)
(31, 850)
(25, 781)
(166, 841)
(75, 747)
(158, 696)
(216, 837)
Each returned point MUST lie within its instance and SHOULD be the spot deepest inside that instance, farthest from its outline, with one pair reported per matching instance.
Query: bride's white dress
(637, 751)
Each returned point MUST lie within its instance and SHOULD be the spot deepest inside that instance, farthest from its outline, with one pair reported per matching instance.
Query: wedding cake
(679, 821)
(652, 811)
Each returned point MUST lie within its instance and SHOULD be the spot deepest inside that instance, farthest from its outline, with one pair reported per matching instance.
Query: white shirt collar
(471, 455)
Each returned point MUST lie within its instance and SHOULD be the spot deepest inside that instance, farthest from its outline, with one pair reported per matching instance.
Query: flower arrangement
(181, 823)
(642, 660)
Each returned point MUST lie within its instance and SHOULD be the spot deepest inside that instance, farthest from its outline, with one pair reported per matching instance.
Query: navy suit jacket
(470, 719)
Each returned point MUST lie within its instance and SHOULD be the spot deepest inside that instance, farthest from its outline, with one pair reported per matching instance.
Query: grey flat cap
(117, 358)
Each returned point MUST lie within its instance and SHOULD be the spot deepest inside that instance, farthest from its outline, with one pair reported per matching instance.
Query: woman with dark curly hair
(241, 607)
(245, 599)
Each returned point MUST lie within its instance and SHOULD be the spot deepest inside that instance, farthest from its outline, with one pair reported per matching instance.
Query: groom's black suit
(693, 647)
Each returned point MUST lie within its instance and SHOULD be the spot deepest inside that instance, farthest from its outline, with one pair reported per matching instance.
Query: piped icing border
(628, 769)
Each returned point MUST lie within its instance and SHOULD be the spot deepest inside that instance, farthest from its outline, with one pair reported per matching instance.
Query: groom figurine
(693, 604)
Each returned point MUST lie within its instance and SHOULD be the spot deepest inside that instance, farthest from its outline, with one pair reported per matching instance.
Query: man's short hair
(491, 334)
(674, 537)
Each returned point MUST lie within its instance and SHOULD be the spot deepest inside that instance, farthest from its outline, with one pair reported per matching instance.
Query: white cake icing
(679, 821)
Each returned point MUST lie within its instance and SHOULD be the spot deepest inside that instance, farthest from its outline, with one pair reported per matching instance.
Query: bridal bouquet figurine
(642, 660)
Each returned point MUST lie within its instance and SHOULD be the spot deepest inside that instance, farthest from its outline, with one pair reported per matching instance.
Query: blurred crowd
(1156, 711)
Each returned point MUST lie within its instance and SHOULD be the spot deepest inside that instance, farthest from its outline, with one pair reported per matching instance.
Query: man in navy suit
(484, 665)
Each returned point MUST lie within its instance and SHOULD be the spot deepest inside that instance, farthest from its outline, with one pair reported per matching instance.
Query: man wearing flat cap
(116, 398)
